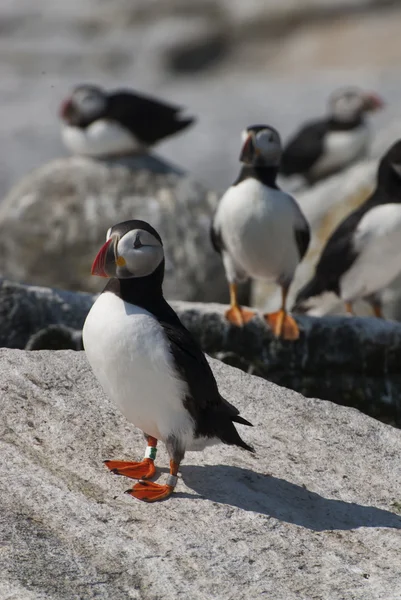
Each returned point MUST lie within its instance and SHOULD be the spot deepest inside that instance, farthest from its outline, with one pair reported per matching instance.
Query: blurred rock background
(230, 63)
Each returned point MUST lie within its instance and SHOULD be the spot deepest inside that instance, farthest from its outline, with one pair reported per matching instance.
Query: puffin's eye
(137, 243)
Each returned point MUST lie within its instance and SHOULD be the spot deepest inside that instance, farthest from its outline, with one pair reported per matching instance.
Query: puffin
(259, 230)
(149, 364)
(99, 123)
(325, 146)
(363, 254)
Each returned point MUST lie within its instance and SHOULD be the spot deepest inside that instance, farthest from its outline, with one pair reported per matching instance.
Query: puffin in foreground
(100, 123)
(259, 230)
(148, 363)
(326, 146)
(363, 254)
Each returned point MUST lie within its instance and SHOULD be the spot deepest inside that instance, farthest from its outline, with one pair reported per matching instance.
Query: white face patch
(89, 102)
(347, 105)
(142, 253)
(268, 143)
(108, 234)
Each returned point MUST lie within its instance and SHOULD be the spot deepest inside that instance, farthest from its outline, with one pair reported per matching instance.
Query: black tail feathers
(238, 419)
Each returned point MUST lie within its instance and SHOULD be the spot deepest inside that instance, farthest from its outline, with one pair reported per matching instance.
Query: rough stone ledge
(350, 361)
(315, 513)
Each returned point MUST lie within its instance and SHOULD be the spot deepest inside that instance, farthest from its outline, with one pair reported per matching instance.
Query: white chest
(342, 148)
(129, 354)
(378, 241)
(101, 138)
(257, 225)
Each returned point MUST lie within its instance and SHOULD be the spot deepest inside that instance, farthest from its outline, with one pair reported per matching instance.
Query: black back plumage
(339, 254)
(150, 120)
(304, 149)
(213, 415)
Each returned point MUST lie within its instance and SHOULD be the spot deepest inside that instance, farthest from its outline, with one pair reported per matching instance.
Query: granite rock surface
(316, 513)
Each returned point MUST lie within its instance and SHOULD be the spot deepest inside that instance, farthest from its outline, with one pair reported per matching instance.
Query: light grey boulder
(316, 513)
(54, 221)
(350, 361)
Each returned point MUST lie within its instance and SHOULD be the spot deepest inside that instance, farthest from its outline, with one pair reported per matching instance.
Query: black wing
(304, 149)
(302, 238)
(212, 414)
(216, 238)
(339, 254)
(148, 119)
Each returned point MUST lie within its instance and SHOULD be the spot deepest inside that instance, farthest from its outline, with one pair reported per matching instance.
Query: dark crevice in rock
(350, 361)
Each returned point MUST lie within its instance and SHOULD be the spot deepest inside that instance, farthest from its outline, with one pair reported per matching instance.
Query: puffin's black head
(133, 249)
(350, 104)
(86, 104)
(261, 146)
(390, 166)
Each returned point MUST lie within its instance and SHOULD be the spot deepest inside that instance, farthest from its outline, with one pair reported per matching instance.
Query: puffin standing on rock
(363, 254)
(259, 230)
(149, 363)
(328, 145)
(100, 123)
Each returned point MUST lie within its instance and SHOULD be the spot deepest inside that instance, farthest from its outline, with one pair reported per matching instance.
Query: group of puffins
(145, 359)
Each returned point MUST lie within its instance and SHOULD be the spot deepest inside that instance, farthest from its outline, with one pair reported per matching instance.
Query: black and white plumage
(145, 359)
(259, 230)
(363, 254)
(326, 146)
(100, 123)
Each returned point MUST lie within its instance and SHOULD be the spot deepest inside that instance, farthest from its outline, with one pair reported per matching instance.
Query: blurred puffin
(259, 230)
(148, 363)
(100, 123)
(363, 254)
(325, 146)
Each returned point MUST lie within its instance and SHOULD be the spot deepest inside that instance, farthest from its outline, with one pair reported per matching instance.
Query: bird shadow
(278, 498)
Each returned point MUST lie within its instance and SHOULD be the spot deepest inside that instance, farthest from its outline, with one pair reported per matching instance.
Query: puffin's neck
(145, 292)
(389, 180)
(336, 124)
(266, 175)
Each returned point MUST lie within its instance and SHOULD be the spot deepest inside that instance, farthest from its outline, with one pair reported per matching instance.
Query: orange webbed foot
(283, 325)
(239, 316)
(135, 470)
(147, 491)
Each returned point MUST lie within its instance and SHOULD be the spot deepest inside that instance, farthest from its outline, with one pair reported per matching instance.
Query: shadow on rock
(282, 500)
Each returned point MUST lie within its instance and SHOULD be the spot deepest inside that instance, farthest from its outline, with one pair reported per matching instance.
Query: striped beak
(104, 264)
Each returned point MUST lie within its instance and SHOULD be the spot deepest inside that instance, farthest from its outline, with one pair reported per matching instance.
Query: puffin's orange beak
(102, 257)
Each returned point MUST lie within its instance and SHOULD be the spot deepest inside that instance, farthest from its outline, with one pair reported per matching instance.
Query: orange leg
(235, 314)
(349, 309)
(283, 325)
(152, 492)
(377, 310)
(136, 470)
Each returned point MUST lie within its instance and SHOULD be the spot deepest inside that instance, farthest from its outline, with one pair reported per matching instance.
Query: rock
(314, 514)
(351, 361)
(56, 337)
(54, 221)
(27, 310)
